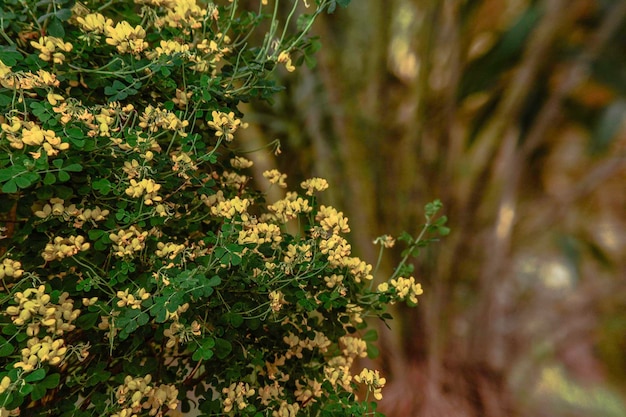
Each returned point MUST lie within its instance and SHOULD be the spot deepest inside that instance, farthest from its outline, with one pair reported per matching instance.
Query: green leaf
(63, 176)
(304, 20)
(63, 14)
(160, 315)
(307, 304)
(432, 208)
(9, 329)
(372, 351)
(51, 381)
(205, 350)
(25, 389)
(55, 28)
(10, 187)
(234, 319)
(73, 168)
(143, 319)
(75, 132)
(214, 281)
(6, 398)
(223, 348)
(38, 392)
(443, 231)
(310, 61)
(6, 174)
(87, 321)
(36, 375)
(370, 336)
(95, 234)
(235, 259)
(58, 163)
(114, 88)
(6, 348)
(49, 178)
(5, 100)
(103, 185)
(10, 56)
(22, 181)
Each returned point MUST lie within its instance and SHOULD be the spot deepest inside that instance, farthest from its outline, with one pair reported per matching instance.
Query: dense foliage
(141, 273)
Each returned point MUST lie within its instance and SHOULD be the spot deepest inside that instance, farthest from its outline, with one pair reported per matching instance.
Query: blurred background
(512, 113)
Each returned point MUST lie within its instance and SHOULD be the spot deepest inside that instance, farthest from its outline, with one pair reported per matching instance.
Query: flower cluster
(373, 381)
(56, 207)
(10, 268)
(35, 310)
(127, 242)
(63, 247)
(236, 395)
(403, 288)
(123, 186)
(52, 48)
(145, 188)
(21, 133)
(137, 394)
(39, 351)
(225, 124)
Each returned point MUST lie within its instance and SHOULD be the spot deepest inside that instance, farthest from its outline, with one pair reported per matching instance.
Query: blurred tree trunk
(476, 103)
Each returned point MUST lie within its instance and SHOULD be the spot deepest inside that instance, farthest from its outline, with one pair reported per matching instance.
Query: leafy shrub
(141, 274)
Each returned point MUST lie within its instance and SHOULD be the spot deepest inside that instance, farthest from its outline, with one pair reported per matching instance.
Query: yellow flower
(225, 124)
(332, 220)
(132, 300)
(154, 118)
(229, 208)
(128, 242)
(54, 99)
(126, 38)
(45, 78)
(260, 233)
(314, 184)
(277, 299)
(49, 46)
(285, 58)
(289, 207)
(353, 347)
(275, 177)
(373, 380)
(168, 47)
(4, 69)
(337, 249)
(359, 269)
(385, 240)
(5, 384)
(236, 396)
(333, 280)
(94, 22)
(10, 268)
(39, 351)
(62, 247)
(169, 250)
(287, 410)
(182, 98)
(240, 162)
(146, 188)
(407, 288)
(183, 13)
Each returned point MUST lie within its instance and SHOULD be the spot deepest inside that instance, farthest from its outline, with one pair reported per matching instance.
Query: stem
(411, 248)
(378, 261)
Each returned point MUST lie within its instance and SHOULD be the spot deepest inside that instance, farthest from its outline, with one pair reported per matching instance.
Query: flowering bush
(141, 274)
